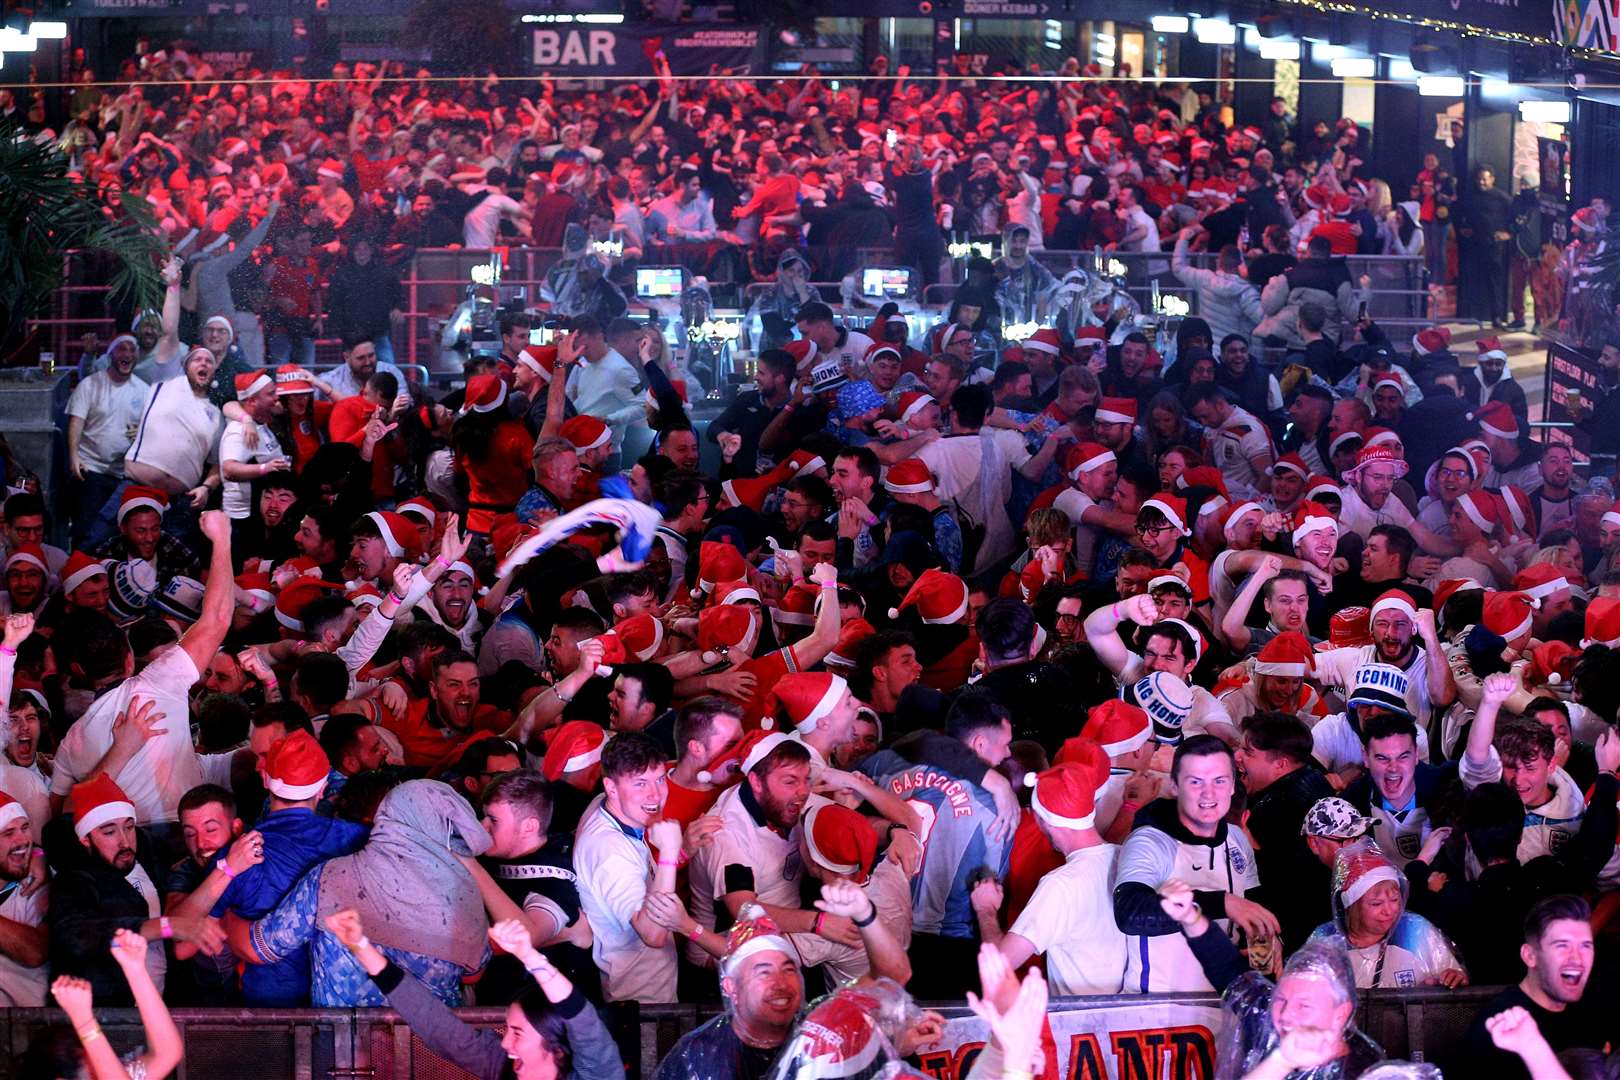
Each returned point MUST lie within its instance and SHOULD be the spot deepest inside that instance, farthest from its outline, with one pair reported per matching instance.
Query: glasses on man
(1152, 530)
(1451, 474)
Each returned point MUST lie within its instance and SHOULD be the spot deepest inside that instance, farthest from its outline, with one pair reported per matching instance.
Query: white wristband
(363, 943)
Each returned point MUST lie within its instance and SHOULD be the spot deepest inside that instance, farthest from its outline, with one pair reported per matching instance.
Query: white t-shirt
(1233, 446)
(1337, 747)
(29, 787)
(236, 497)
(1074, 503)
(614, 871)
(744, 847)
(157, 960)
(955, 462)
(110, 412)
(1337, 667)
(890, 892)
(1070, 920)
(481, 226)
(178, 432)
(24, 987)
(1151, 856)
(1356, 516)
(161, 771)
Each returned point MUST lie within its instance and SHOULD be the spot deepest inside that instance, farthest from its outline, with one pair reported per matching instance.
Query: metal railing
(375, 1044)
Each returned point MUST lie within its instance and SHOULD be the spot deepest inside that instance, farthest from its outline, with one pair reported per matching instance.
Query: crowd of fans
(922, 663)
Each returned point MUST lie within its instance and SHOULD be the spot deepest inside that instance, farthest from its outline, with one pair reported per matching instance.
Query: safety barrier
(436, 278)
(374, 1044)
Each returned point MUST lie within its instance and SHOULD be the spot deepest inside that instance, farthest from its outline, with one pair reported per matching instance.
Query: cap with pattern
(754, 933)
(181, 597)
(132, 584)
(1167, 700)
(1333, 818)
(1380, 685)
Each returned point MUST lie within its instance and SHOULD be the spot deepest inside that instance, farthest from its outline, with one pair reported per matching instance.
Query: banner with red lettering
(1109, 1042)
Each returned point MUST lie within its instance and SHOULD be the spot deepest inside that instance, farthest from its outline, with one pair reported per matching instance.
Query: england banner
(1170, 1041)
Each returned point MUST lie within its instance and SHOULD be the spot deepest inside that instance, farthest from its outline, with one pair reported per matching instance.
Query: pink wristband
(166, 928)
(8, 651)
(225, 866)
(444, 562)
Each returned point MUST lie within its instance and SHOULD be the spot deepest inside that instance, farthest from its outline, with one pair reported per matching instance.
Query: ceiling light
(1440, 85)
(1170, 24)
(1215, 32)
(1544, 112)
(1272, 49)
(1355, 67)
(48, 31)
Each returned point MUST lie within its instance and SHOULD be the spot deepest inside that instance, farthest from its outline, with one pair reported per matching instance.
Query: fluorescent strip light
(1215, 32)
(1440, 85)
(1355, 67)
(48, 31)
(1272, 49)
(1324, 52)
(1402, 70)
(1544, 112)
(1170, 24)
(13, 40)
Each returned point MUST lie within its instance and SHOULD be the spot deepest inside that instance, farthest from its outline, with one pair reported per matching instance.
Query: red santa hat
(293, 379)
(364, 596)
(756, 932)
(1509, 614)
(1343, 439)
(804, 697)
(1312, 517)
(140, 497)
(1482, 509)
(1496, 418)
(1341, 205)
(1065, 797)
(750, 491)
(398, 534)
(804, 353)
(1539, 581)
(1206, 476)
(1446, 589)
(585, 432)
(909, 477)
(1393, 600)
(1174, 509)
(540, 359)
(485, 394)
(96, 802)
(1602, 622)
(1292, 463)
(1116, 410)
(331, 168)
(718, 562)
(850, 635)
(420, 507)
(1434, 339)
(940, 597)
(1085, 457)
(1490, 346)
(1382, 436)
(251, 382)
(12, 810)
(31, 554)
(79, 569)
(255, 592)
(576, 746)
(797, 606)
(1316, 197)
(1390, 380)
(1288, 655)
(804, 463)
(1318, 488)
(913, 402)
(1612, 514)
(1044, 340)
(643, 636)
(296, 768)
(1118, 727)
(1089, 337)
(723, 627)
(1350, 627)
(1373, 455)
(297, 596)
(1358, 869)
(1232, 515)
(840, 840)
(878, 348)
(735, 592)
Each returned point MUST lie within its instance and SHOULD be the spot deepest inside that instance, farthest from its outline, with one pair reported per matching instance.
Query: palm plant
(46, 212)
